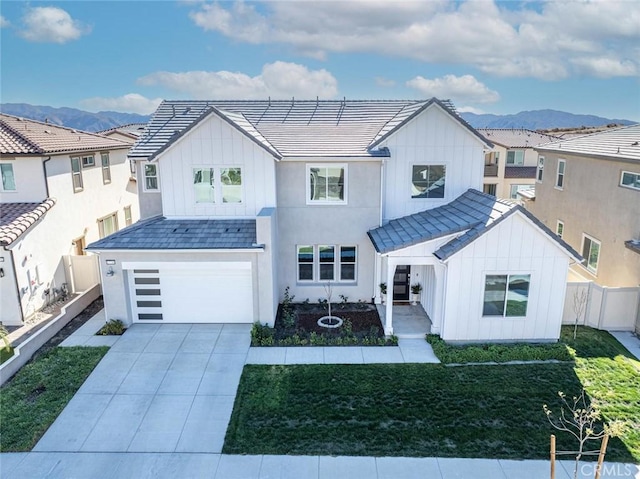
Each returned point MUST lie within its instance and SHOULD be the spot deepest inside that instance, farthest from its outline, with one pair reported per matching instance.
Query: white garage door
(192, 293)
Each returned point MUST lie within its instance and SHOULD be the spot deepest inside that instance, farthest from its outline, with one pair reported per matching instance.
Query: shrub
(113, 327)
(262, 335)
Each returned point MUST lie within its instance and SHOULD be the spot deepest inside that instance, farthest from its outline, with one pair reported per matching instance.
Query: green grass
(432, 410)
(5, 354)
(32, 400)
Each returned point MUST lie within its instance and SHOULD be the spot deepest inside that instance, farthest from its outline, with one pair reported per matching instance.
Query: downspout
(381, 190)
(15, 280)
(46, 181)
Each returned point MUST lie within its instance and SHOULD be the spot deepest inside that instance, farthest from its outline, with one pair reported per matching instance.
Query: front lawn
(33, 399)
(432, 410)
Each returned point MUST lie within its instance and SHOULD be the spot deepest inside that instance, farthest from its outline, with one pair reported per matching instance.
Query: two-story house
(61, 189)
(243, 199)
(511, 164)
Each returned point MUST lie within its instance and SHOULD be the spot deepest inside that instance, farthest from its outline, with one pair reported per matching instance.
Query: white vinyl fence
(612, 309)
(82, 272)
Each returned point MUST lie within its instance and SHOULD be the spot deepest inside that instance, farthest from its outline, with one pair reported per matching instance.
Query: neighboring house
(61, 189)
(589, 194)
(128, 133)
(243, 199)
(511, 165)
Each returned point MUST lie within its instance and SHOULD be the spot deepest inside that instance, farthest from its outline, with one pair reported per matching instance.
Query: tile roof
(17, 218)
(20, 136)
(633, 245)
(160, 233)
(308, 128)
(473, 213)
(619, 143)
(516, 137)
(520, 171)
(132, 130)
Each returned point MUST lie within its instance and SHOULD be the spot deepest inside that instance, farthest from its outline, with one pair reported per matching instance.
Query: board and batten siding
(514, 246)
(432, 138)
(215, 143)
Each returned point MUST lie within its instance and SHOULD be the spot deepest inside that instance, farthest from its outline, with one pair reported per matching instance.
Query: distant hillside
(73, 118)
(539, 120)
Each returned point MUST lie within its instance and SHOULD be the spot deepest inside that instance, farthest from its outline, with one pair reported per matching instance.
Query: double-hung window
(326, 184)
(151, 177)
(515, 157)
(106, 168)
(8, 178)
(217, 185)
(108, 225)
(322, 263)
(560, 174)
(506, 295)
(305, 263)
(630, 180)
(127, 216)
(540, 170)
(88, 161)
(590, 253)
(76, 174)
(327, 257)
(560, 228)
(347, 263)
(428, 181)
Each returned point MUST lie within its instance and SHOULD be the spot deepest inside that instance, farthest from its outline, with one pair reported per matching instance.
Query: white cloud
(4, 22)
(529, 39)
(385, 82)
(129, 103)
(470, 109)
(51, 25)
(460, 89)
(278, 80)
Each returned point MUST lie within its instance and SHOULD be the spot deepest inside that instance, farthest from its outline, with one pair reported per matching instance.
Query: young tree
(579, 304)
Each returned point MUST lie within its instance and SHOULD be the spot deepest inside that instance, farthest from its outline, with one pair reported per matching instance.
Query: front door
(78, 246)
(401, 283)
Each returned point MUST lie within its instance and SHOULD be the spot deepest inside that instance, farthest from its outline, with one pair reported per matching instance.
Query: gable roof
(21, 136)
(618, 143)
(473, 213)
(17, 218)
(131, 130)
(516, 137)
(160, 233)
(291, 128)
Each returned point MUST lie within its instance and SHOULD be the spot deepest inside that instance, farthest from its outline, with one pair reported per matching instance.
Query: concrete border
(25, 351)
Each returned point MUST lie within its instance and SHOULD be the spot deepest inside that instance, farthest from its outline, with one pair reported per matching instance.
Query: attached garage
(202, 292)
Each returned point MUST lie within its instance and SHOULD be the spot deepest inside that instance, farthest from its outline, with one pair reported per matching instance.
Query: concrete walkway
(629, 341)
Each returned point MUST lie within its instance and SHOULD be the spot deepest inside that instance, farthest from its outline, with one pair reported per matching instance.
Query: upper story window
(231, 185)
(108, 225)
(560, 228)
(506, 295)
(515, 157)
(428, 181)
(151, 177)
(8, 178)
(127, 216)
(513, 192)
(76, 174)
(203, 185)
(540, 170)
(560, 174)
(326, 184)
(106, 168)
(628, 179)
(217, 185)
(88, 161)
(590, 253)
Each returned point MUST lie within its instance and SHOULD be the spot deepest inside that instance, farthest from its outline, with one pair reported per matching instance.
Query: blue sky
(579, 56)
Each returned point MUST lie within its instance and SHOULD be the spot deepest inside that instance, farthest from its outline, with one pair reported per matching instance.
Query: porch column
(377, 299)
(439, 297)
(388, 315)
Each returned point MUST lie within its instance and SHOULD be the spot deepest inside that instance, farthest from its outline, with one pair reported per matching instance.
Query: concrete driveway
(160, 388)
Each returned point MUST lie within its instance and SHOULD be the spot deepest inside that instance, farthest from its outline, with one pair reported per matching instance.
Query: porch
(409, 321)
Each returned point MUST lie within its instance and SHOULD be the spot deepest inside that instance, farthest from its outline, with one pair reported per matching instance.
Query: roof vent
(635, 143)
(180, 230)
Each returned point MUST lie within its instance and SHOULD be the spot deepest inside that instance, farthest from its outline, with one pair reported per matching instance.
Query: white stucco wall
(9, 304)
(29, 178)
(514, 246)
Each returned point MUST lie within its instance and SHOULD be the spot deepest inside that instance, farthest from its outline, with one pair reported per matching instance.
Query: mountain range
(103, 120)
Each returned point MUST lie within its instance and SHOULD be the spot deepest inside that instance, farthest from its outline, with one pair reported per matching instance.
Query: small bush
(262, 335)
(113, 327)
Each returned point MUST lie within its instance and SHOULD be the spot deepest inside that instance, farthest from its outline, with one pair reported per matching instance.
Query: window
(540, 169)
(515, 188)
(559, 228)
(108, 225)
(305, 263)
(231, 181)
(590, 253)
(106, 168)
(506, 295)
(560, 174)
(628, 179)
(151, 177)
(489, 189)
(428, 181)
(515, 157)
(203, 184)
(327, 255)
(132, 168)
(127, 215)
(326, 184)
(8, 178)
(76, 174)
(88, 161)
(347, 263)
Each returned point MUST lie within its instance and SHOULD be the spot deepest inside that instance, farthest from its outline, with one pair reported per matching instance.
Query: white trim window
(88, 161)
(628, 179)
(506, 295)
(108, 225)
(560, 172)
(348, 259)
(306, 261)
(322, 263)
(106, 168)
(127, 215)
(217, 185)
(540, 169)
(203, 185)
(590, 253)
(76, 174)
(327, 184)
(8, 177)
(560, 228)
(327, 259)
(151, 182)
(515, 157)
(231, 185)
(428, 181)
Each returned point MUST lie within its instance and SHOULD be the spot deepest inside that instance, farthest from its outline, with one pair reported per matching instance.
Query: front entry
(401, 280)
